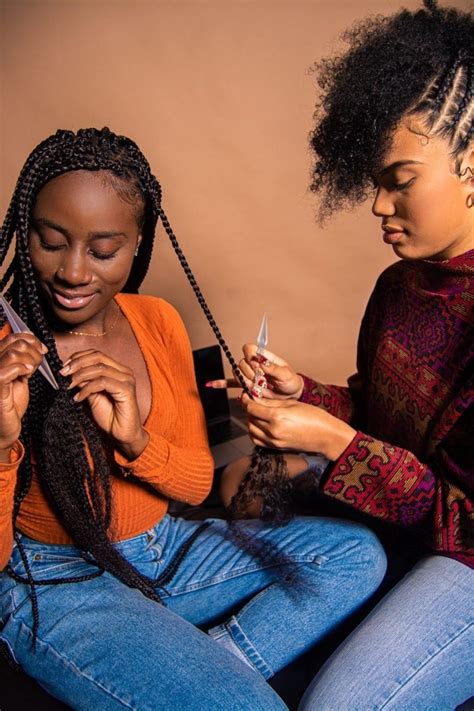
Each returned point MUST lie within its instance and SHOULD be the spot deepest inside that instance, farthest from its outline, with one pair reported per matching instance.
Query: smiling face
(82, 241)
(423, 203)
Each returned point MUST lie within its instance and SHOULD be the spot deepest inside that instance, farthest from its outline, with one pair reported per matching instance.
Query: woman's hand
(20, 356)
(286, 424)
(282, 381)
(110, 390)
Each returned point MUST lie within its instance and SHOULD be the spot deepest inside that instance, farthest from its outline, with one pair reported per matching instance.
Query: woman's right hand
(283, 382)
(20, 356)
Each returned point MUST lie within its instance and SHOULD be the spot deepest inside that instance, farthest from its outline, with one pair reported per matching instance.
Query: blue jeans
(106, 646)
(414, 651)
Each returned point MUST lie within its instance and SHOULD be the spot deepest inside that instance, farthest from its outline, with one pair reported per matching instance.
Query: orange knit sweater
(176, 463)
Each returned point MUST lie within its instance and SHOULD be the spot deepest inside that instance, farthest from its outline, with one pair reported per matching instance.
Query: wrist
(342, 437)
(299, 391)
(132, 450)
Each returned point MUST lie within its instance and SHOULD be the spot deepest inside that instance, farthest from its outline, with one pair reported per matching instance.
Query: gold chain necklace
(98, 335)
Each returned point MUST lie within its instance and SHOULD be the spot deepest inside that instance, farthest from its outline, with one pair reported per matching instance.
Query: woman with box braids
(87, 469)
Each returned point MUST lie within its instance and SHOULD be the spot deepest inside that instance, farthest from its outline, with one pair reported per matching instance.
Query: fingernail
(44, 349)
(75, 398)
(65, 369)
(209, 384)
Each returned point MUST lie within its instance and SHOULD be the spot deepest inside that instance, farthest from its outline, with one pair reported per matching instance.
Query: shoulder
(151, 312)
(395, 274)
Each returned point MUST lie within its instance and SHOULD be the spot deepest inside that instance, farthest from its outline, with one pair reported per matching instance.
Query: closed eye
(402, 186)
(98, 255)
(50, 247)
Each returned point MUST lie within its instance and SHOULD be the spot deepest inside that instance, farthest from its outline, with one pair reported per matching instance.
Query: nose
(383, 205)
(74, 269)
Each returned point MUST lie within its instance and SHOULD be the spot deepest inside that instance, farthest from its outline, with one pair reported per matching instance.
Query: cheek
(436, 208)
(114, 271)
(43, 263)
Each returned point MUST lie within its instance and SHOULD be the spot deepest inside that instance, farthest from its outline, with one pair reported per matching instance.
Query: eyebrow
(42, 221)
(399, 164)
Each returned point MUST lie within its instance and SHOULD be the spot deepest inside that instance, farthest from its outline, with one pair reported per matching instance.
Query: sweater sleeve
(434, 496)
(8, 476)
(342, 402)
(178, 465)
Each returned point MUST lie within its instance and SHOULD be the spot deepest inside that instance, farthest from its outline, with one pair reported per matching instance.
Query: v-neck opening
(142, 349)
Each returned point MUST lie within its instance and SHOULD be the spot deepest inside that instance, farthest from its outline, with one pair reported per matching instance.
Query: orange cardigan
(176, 462)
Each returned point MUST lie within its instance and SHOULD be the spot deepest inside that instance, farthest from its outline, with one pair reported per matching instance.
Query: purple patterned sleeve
(392, 484)
(335, 399)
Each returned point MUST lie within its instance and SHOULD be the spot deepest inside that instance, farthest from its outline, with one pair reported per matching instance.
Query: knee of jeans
(371, 555)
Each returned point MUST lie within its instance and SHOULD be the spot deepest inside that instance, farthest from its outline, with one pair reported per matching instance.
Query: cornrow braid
(79, 494)
(447, 106)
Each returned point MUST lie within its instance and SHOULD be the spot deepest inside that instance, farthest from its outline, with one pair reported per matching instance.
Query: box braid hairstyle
(417, 63)
(80, 493)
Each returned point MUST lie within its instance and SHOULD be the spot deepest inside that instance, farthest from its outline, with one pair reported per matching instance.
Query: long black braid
(81, 494)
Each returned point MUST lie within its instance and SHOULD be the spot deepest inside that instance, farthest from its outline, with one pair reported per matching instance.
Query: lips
(392, 235)
(72, 301)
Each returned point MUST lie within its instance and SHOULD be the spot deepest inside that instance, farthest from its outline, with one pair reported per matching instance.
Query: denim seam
(317, 560)
(424, 664)
(68, 663)
(245, 645)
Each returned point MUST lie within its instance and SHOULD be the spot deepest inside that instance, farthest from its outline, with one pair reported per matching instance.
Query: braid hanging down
(80, 496)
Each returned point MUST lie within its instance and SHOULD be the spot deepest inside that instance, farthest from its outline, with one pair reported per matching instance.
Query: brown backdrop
(218, 95)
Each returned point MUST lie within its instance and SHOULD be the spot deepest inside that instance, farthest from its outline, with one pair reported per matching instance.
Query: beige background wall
(218, 95)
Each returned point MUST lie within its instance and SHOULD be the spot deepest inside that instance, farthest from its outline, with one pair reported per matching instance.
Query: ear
(466, 173)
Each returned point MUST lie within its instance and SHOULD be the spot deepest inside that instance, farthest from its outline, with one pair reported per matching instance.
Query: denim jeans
(414, 651)
(104, 645)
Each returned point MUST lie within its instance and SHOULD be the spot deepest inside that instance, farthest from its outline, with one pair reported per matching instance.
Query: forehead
(411, 141)
(83, 196)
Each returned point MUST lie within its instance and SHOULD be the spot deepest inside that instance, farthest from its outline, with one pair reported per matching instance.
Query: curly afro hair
(412, 62)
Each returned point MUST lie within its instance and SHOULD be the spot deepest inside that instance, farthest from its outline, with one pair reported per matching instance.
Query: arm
(8, 477)
(20, 356)
(434, 496)
(342, 402)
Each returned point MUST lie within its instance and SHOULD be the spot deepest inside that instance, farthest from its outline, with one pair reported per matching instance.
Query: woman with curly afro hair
(396, 116)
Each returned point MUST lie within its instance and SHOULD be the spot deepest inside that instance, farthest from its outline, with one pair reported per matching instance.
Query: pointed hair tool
(260, 381)
(19, 326)
(262, 338)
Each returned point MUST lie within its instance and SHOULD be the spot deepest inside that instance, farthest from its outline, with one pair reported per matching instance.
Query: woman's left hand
(110, 390)
(288, 424)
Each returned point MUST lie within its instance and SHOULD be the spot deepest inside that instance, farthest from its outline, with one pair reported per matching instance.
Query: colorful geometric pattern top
(412, 402)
